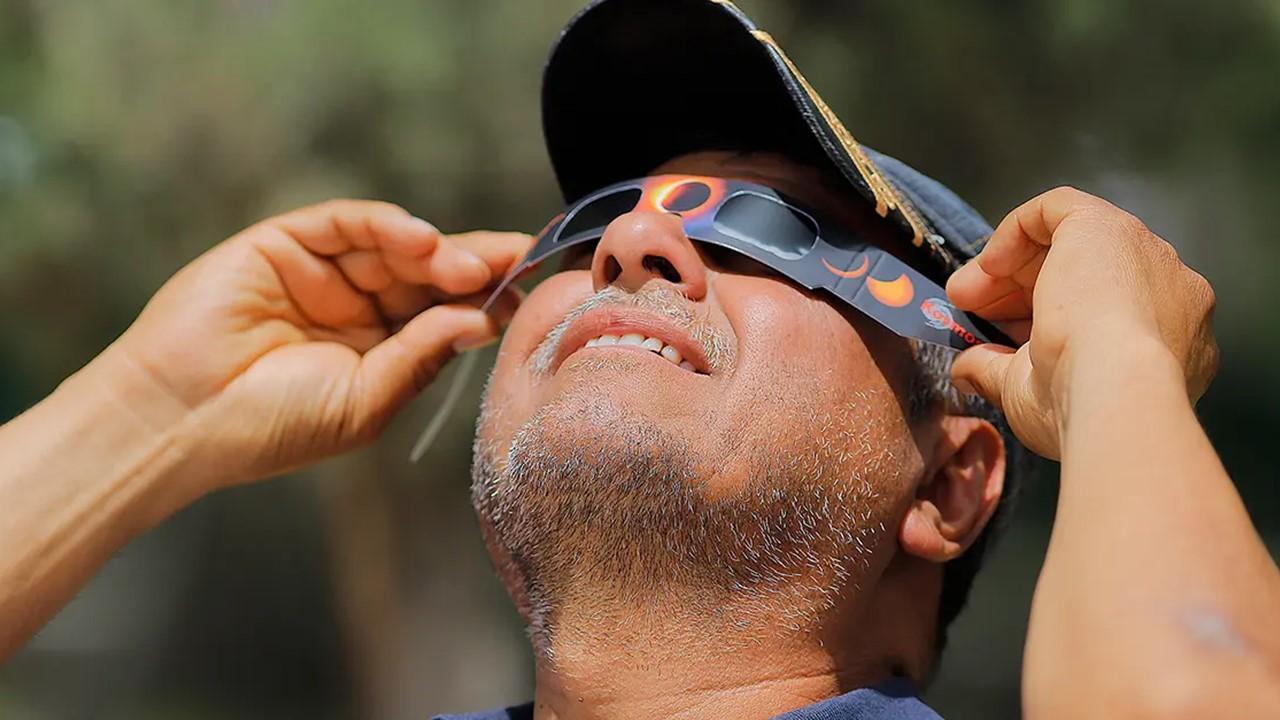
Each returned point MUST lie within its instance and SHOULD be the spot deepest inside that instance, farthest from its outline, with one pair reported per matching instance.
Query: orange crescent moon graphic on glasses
(856, 273)
(894, 293)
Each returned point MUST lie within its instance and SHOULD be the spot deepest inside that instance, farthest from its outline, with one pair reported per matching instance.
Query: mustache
(657, 298)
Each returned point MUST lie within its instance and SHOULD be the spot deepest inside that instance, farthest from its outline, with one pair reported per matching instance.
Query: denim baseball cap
(632, 84)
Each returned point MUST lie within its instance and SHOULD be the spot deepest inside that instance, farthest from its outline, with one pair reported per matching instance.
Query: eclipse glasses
(768, 227)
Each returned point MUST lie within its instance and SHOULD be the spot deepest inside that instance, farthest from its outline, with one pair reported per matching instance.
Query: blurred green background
(136, 133)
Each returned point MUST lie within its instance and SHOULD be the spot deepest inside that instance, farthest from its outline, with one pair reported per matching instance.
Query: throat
(664, 661)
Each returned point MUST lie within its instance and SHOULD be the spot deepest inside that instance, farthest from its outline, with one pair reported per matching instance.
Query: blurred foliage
(137, 133)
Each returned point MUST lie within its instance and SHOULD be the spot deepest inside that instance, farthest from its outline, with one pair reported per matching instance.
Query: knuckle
(1103, 218)
(1067, 192)
(1126, 225)
(1075, 199)
(332, 205)
(435, 316)
(1134, 226)
(1208, 297)
(384, 206)
(1199, 292)
(344, 205)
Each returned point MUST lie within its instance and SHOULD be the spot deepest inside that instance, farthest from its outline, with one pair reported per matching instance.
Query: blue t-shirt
(892, 700)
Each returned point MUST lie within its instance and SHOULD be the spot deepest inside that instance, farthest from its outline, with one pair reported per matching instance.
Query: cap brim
(632, 84)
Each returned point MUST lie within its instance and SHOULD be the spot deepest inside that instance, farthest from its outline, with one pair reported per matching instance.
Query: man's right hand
(299, 337)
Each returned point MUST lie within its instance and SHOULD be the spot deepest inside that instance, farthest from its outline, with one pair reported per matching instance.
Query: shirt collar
(894, 699)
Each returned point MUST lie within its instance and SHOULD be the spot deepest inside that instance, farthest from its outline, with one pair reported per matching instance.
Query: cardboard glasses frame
(761, 223)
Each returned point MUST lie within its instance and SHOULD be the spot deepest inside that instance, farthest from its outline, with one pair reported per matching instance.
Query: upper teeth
(651, 344)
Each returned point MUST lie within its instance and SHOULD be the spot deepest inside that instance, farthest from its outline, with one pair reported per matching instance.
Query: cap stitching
(886, 196)
(942, 251)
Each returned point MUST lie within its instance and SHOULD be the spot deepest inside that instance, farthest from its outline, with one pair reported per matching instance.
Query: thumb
(983, 370)
(404, 364)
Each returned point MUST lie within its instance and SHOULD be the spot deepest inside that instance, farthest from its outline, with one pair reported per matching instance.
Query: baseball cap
(631, 84)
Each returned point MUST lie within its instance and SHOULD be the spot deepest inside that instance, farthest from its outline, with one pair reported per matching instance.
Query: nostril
(661, 266)
(612, 269)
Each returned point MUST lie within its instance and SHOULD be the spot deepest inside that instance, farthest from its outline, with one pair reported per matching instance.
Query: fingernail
(475, 262)
(964, 387)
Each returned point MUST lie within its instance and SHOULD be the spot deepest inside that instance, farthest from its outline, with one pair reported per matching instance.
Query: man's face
(762, 466)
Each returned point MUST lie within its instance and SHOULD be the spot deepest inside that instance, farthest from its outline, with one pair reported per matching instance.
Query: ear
(959, 492)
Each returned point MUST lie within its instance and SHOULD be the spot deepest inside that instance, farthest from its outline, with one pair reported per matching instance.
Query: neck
(741, 661)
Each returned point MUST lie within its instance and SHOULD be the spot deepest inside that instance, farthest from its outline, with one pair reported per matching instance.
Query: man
(709, 491)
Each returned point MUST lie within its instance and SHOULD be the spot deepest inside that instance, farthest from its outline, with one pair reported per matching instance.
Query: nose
(643, 245)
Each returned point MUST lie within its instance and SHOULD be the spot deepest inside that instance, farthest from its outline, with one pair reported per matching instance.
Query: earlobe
(958, 494)
(921, 533)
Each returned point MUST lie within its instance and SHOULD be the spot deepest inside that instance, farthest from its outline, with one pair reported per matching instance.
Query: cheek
(806, 380)
(543, 309)
(794, 337)
(513, 394)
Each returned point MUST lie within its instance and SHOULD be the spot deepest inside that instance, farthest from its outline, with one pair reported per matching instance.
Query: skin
(301, 336)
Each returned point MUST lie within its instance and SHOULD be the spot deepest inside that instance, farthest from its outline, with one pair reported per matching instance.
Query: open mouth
(622, 329)
(652, 344)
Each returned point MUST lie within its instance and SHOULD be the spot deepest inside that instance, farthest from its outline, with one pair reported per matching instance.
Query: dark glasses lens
(768, 224)
(685, 197)
(598, 213)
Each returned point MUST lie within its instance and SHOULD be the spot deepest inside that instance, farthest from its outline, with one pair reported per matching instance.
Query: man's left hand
(1077, 279)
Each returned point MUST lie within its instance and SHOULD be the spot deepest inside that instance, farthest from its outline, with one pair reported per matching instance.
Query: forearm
(84, 471)
(1156, 586)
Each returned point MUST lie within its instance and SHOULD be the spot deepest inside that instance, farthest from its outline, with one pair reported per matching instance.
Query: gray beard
(598, 509)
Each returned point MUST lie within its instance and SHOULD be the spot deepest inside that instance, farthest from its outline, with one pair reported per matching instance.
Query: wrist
(142, 432)
(120, 379)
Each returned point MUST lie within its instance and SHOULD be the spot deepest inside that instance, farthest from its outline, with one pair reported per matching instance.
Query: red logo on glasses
(940, 314)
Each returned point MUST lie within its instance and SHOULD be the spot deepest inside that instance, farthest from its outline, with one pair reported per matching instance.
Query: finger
(401, 301)
(362, 339)
(402, 365)
(1011, 259)
(1028, 230)
(993, 299)
(456, 271)
(366, 270)
(411, 249)
(448, 267)
(316, 288)
(974, 290)
(983, 370)
(1019, 331)
(384, 236)
(499, 250)
(340, 226)
(504, 306)
(465, 262)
